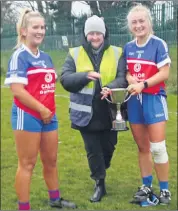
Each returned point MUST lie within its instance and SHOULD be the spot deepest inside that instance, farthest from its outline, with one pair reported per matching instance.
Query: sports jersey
(144, 61)
(37, 73)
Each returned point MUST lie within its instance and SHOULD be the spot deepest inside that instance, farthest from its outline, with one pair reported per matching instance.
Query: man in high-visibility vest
(89, 72)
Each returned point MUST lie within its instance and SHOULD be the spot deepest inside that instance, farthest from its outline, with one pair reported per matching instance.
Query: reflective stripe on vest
(85, 90)
(79, 107)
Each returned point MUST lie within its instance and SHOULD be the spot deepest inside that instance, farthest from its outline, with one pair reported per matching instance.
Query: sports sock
(147, 181)
(24, 205)
(54, 194)
(163, 185)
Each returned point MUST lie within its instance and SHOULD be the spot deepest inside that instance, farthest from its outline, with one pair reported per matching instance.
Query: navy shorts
(147, 109)
(22, 120)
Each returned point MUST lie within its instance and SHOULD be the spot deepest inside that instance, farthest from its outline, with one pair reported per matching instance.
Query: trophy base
(119, 125)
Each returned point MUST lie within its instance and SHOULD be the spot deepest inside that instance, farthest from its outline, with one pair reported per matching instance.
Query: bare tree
(6, 11)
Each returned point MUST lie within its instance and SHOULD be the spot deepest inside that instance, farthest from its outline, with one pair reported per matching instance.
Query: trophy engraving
(118, 96)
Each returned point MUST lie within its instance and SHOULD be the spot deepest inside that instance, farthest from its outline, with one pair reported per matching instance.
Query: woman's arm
(131, 79)
(28, 100)
(159, 77)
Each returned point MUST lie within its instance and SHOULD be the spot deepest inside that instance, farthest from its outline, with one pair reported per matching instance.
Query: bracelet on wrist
(145, 83)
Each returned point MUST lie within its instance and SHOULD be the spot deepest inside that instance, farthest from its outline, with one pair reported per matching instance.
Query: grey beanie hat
(94, 24)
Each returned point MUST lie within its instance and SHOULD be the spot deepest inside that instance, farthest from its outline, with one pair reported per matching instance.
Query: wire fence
(67, 33)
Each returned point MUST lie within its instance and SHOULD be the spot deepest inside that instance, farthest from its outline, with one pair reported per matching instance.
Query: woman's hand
(131, 79)
(105, 92)
(135, 89)
(46, 115)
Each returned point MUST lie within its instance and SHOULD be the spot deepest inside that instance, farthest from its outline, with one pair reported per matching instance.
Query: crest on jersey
(137, 67)
(48, 77)
(139, 55)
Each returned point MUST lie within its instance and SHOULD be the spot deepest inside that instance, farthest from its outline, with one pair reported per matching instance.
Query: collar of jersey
(30, 52)
(143, 45)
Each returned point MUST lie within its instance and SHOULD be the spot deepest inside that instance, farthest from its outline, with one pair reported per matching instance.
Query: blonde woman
(31, 76)
(148, 68)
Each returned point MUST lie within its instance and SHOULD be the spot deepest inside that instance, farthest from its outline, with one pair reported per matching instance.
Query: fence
(164, 22)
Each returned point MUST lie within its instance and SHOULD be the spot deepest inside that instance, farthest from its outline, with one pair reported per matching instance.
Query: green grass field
(123, 177)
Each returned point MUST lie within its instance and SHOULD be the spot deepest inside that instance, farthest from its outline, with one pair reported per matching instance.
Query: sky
(79, 7)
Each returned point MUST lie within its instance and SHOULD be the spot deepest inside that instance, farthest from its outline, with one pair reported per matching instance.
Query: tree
(8, 19)
(62, 16)
(6, 11)
(101, 6)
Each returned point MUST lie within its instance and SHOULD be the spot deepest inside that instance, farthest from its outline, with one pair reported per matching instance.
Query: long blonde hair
(140, 8)
(23, 22)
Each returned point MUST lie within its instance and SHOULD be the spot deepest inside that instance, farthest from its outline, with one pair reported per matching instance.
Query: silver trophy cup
(117, 97)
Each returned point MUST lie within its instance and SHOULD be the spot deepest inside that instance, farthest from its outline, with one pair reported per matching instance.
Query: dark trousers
(99, 147)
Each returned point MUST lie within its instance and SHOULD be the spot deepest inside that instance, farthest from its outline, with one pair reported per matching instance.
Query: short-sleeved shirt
(145, 61)
(38, 75)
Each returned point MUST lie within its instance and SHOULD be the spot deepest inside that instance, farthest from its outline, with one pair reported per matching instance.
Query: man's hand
(93, 76)
(105, 92)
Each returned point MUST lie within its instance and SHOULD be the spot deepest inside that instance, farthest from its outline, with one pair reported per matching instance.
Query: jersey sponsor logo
(140, 76)
(47, 88)
(139, 56)
(131, 53)
(39, 63)
(48, 77)
(137, 67)
(139, 53)
(159, 115)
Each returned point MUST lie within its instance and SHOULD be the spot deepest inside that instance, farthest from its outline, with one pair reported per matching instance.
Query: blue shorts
(22, 120)
(147, 109)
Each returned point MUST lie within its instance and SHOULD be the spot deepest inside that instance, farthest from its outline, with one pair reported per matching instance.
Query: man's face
(96, 39)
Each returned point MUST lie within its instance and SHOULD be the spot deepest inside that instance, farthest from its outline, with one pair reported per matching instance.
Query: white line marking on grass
(3, 86)
(170, 112)
(65, 96)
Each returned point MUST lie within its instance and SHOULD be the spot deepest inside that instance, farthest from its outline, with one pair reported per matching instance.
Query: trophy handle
(108, 100)
(128, 96)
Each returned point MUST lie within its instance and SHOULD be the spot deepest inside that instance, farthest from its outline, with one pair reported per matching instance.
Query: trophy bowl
(117, 97)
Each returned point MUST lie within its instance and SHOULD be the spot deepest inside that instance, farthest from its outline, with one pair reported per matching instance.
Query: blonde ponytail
(23, 22)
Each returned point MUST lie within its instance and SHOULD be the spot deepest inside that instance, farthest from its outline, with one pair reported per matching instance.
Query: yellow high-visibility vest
(108, 66)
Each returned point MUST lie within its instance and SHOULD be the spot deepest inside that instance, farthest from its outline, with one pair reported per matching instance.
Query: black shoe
(142, 194)
(99, 191)
(60, 203)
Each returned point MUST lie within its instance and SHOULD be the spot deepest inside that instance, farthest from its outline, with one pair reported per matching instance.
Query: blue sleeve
(17, 70)
(125, 55)
(52, 66)
(124, 51)
(162, 57)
